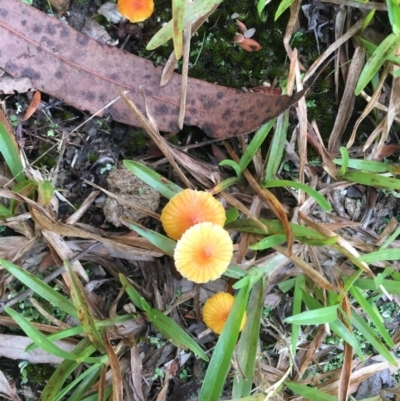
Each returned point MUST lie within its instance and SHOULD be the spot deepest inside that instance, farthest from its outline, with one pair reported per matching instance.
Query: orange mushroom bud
(203, 253)
(216, 311)
(188, 208)
(136, 10)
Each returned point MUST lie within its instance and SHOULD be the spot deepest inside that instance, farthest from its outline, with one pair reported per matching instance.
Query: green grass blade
(277, 146)
(76, 330)
(248, 343)
(64, 370)
(392, 287)
(38, 338)
(373, 180)
(231, 163)
(298, 185)
(90, 373)
(40, 288)
(220, 362)
(268, 242)
(336, 326)
(155, 180)
(178, 8)
(383, 254)
(5, 213)
(386, 48)
(174, 333)
(193, 12)
(309, 393)
(283, 6)
(370, 335)
(370, 48)
(274, 227)
(297, 301)
(327, 314)
(255, 144)
(394, 15)
(231, 215)
(373, 314)
(167, 327)
(345, 161)
(162, 242)
(9, 150)
(84, 314)
(370, 166)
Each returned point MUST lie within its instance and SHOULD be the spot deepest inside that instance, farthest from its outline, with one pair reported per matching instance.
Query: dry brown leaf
(8, 390)
(33, 105)
(117, 383)
(13, 347)
(87, 74)
(315, 276)
(137, 371)
(347, 102)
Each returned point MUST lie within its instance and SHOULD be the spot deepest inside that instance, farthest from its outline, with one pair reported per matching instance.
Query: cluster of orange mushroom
(204, 249)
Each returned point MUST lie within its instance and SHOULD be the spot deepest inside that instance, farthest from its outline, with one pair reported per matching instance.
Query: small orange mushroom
(136, 10)
(188, 208)
(216, 311)
(203, 253)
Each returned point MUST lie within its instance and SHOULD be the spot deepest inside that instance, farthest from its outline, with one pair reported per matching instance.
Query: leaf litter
(326, 253)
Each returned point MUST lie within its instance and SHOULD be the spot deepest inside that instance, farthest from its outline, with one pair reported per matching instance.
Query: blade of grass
(277, 147)
(327, 314)
(298, 185)
(86, 384)
(218, 368)
(386, 48)
(248, 343)
(84, 314)
(372, 180)
(366, 165)
(268, 242)
(40, 288)
(383, 254)
(156, 181)
(373, 314)
(9, 150)
(178, 8)
(370, 335)
(193, 12)
(336, 326)
(299, 283)
(392, 287)
(167, 327)
(162, 242)
(84, 349)
(310, 393)
(255, 144)
(345, 161)
(41, 341)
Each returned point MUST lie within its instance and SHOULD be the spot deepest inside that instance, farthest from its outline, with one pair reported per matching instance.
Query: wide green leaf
(372, 180)
(381, 255)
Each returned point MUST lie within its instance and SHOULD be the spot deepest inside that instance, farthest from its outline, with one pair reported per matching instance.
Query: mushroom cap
(136, 10)
(216, 311)
(188, 208)
(203, 253)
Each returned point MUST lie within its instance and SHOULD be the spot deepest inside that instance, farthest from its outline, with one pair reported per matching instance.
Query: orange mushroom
(216, 311)
(188, 208)
(136, 10)
(203, 253)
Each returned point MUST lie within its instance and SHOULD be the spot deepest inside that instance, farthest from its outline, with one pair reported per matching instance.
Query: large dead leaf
(87, 74)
